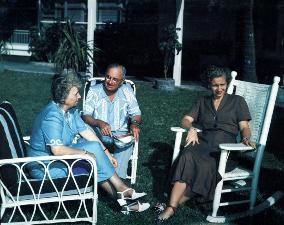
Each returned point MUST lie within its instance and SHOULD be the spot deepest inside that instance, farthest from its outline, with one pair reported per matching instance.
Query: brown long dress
(197, 165)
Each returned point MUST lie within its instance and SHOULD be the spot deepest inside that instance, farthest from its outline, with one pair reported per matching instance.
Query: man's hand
(105, 128)
(191, 138)
(135, 131)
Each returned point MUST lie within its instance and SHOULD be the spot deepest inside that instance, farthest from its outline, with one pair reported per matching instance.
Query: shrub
(44, 45)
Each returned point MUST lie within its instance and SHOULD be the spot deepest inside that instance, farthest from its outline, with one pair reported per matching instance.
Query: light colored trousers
(121, 154)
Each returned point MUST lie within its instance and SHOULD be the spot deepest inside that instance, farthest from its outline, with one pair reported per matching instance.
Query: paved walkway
(49, 69)
(29, 67)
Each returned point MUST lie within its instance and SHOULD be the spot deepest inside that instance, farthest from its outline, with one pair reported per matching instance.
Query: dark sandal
(159, 220)
(160, 207)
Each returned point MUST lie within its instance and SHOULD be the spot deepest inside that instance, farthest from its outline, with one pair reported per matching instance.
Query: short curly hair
(62, 84)
(212, 72)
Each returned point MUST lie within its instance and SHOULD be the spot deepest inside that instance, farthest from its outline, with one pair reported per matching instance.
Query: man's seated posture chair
(134, 156)
(33, 201)
(261, 101)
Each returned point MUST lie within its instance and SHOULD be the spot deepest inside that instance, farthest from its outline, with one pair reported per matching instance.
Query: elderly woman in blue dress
(59, 130)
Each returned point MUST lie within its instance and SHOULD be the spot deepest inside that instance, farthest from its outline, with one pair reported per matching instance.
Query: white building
(38, 13)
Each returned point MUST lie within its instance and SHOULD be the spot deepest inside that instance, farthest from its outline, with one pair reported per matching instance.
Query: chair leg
(256, 170)
(217, 198)
(177, 145)
(2, 212)
(218, 190)
(253, 191)
(134, 163)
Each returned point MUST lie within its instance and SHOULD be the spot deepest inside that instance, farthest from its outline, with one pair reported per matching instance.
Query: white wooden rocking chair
(27, 201)
(134, 156)
(261, 101)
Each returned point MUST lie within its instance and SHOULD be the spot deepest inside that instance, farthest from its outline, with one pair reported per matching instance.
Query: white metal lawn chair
(134, 156)
(261, 101)
(33, 201)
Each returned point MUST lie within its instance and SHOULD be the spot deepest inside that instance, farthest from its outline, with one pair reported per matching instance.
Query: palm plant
(74, 53)
(168, 44)
(3, 49)
(44, 46)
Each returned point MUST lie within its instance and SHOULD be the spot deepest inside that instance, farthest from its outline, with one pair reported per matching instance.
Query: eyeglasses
(113, 79)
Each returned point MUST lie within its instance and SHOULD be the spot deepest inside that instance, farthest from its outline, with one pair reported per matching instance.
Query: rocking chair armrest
(178, 138)
(235, 147)
(178, 129)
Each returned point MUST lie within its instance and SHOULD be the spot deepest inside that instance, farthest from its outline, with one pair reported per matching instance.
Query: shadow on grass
(159, 164)
(275, 140)
(271, 180)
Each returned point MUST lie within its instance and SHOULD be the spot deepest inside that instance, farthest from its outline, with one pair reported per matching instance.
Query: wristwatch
(135, 122)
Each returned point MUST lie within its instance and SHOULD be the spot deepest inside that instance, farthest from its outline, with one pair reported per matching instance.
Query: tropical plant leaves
(74, 53)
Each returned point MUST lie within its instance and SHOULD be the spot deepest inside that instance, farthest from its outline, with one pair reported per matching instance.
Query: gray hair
(116, 65)
(213, 72)
(62, 84)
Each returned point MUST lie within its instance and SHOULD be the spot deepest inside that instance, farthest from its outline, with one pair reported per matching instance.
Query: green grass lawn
(29, 93)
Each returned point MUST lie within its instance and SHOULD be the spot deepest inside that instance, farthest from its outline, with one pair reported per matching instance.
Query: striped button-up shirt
(117, 112)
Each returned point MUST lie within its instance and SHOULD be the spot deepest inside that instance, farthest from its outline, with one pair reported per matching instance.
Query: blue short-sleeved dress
(53, 127)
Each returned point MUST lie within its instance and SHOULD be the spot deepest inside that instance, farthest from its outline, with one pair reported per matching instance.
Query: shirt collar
(104, 95)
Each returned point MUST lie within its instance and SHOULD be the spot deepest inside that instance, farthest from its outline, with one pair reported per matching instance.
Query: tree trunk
(248, 44)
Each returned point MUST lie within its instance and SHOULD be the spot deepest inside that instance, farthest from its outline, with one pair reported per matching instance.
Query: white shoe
(141, 207)
(135, 195)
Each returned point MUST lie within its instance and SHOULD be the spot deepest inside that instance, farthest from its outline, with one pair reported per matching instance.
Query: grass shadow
(159, 163)
(275, 139)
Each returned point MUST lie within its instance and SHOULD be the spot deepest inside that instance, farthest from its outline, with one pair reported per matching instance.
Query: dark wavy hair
(212, 72)
(62, 84)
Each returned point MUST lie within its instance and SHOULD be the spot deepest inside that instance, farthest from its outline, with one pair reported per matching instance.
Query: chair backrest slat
(98, 80)
(261, 100)
(257, 97)
(11, 143)
(12, 131)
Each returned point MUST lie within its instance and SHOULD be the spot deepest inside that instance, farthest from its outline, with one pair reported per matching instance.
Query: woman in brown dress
(220, 117)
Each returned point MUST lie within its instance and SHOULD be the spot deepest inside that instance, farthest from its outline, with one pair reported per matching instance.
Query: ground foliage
(161, 110)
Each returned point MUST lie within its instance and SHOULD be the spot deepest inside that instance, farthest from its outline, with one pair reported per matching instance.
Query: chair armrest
(225, 151)
(178, 138)
(20, 187)
(27, 139)
(178, 129)
(235, 147)
(19, 165)
(47, 158)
